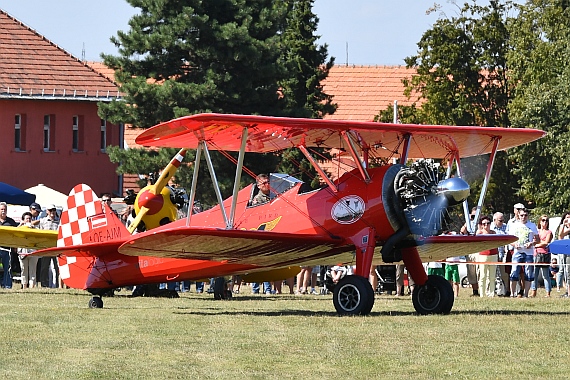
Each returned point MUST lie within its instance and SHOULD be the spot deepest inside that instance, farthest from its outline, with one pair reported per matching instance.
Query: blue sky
(378, 32)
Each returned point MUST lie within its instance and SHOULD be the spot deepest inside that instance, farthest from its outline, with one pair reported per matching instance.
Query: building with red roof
(48, 115)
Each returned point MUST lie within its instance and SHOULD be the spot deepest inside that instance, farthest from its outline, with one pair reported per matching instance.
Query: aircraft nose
(455, 190)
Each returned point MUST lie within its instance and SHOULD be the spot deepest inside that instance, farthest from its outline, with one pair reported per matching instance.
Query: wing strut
(405, 148)
(319, 170)
(349, 139)
(239, 169)
(215, 182)
(492, 156)
(471, 224)
(194, 183)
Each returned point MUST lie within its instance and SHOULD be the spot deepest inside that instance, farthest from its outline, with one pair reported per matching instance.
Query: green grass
(51, 334)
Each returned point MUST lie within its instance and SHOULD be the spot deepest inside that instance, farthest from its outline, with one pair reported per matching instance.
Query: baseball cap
(36, 206)
(519, 206)
(50, 207)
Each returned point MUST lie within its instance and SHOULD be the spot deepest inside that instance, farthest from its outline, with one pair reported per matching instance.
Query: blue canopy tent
(15, 196)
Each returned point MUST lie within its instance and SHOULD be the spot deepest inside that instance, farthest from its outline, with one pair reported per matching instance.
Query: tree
(303, 96)
(461, 69)
(227, 56)
(184, 57)
(540, 65)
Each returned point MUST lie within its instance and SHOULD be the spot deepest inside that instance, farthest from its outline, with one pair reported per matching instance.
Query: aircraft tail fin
(83, 220)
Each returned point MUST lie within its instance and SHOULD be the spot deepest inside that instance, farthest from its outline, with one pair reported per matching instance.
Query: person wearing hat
(527, 234)
(48, 265)
(35, 210)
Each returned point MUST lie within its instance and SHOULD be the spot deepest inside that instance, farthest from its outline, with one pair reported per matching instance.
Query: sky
(373, 32)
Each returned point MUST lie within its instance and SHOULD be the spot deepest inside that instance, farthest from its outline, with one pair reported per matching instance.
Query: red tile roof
(362, 91)
(33, 66)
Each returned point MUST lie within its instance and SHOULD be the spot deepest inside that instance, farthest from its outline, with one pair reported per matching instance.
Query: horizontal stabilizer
(82, 250)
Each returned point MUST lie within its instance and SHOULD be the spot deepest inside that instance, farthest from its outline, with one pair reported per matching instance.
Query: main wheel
(434, 297)
(353, 295)
(95, 303)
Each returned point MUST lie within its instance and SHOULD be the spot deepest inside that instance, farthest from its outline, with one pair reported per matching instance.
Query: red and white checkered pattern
(82, 203)
(64, 262)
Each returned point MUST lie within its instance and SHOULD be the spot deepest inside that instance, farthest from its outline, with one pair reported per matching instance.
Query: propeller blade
(168, 172)
(140, 215)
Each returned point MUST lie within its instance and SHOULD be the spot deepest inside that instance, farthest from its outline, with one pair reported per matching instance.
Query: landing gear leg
(96, 303)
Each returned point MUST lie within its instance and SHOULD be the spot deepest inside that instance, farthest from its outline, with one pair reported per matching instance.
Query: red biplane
(397, 209)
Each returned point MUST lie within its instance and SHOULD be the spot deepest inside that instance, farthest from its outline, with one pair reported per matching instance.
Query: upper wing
(25, 237)
(261, 248)
(267, 134)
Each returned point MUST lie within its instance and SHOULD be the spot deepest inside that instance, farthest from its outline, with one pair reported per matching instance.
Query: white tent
(46, 195)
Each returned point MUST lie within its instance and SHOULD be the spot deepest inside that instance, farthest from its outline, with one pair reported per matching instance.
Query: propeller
(426, 197)
(153, 204)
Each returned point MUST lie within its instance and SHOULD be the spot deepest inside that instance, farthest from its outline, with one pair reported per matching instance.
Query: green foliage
(306, 64)
(461, 65)
(539, 64)
(406, 115)
(226, 56)
(462, 77)
(303, 96)
(191, 56)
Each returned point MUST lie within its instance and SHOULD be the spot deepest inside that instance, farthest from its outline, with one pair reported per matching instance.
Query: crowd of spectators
(516, 268)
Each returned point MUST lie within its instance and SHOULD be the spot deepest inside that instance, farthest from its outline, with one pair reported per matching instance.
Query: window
(49, 133)
(103, 135)
(46, 133)
(75, 129)
(18, 132)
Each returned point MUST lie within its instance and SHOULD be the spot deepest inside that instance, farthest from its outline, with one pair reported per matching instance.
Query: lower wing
(437, 248)
(261, 248)
(266, 248)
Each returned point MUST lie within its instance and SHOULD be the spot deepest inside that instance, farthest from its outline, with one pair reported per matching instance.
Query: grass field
(51, 334)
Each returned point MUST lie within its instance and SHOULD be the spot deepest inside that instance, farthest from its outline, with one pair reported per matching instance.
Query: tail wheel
(220, 289)
(95, 303)
(353, 295)
(434, 297)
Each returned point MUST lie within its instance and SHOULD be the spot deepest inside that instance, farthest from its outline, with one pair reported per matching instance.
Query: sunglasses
(485, 223)
(544, 220)
(106, 200)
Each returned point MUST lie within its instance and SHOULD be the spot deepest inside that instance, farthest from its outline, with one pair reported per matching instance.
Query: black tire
(465, 282)
(353, 295)
(95, 303)
(220, 288)
(434, 297)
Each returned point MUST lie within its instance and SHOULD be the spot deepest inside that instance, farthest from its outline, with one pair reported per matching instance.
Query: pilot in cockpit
(262, 195)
